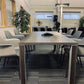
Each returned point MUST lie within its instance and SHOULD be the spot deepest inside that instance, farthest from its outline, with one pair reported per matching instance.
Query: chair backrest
(70, 31)
(8, 34)
(81, 50)
(42, 29)
(77, 34)
(35, 29)
(64, 30)
(1, 40)
(16, 32)
(7, 50)
(81, 47)
(49, 29)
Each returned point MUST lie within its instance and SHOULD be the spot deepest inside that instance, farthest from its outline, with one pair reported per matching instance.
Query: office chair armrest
(5, 45)
(7, 51)
(69, 36)
(19, 36)
(81, 45)
(13, 41)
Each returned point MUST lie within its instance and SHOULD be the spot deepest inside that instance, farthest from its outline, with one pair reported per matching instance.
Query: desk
(35, 38)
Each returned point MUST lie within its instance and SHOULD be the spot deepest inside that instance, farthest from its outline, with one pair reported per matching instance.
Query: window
(44, 16)
(0, 14)
(7, 10)
(71, 16)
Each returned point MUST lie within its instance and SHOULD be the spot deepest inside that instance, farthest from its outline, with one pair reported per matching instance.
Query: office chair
(7, 51)
(9, 35)
(77, 34)
(80, 51)
(69, 31)
(14, 42)
(35, 29)
(49, 29)
(42, 29)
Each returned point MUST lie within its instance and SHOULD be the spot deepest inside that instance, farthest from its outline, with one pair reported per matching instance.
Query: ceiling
(73, 3)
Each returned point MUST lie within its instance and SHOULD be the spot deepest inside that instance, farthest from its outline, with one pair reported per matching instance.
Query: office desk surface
(57, 38)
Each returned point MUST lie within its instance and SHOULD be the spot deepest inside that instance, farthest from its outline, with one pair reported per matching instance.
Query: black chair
(42, 29)
(35, 29)
(74, 30)
(49, 29)
(77, 34)
(64, 30)
(81, 29)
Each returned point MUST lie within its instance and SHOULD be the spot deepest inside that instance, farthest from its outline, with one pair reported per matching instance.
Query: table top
(57, 38)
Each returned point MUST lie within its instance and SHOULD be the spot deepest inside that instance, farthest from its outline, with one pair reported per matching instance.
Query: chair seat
(7, 50)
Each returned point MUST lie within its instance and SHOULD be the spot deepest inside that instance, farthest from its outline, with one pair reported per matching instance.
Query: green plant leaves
(81, 22)
(22, 20)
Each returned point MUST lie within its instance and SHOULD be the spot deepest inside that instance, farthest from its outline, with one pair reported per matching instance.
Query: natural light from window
(43, 16)
(71, 16)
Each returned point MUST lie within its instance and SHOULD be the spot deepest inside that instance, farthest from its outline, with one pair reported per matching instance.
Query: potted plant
(81, 22)
(39, 22)
(22, 20)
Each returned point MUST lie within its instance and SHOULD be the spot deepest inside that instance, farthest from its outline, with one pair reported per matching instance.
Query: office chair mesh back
(77, 34)
(16, 31)
(8, 34)
(70, 31)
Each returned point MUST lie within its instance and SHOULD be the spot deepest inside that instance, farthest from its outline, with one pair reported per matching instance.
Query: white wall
(24, 3)
(42, 5)
(74, 3)
(17, 5)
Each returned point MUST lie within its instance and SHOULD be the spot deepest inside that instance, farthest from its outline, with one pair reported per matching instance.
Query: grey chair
(35, 29)
(9, 35)
(7, 51)
(69, 32)
(49, 29)
(9, 48)
(77, 34)
(80, 51)
(14, 42)
(42, 29)
(18, 33)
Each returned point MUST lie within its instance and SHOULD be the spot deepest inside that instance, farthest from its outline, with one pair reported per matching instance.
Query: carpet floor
(41, 69)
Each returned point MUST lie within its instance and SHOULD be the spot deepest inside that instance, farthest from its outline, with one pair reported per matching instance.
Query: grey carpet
(43, 70)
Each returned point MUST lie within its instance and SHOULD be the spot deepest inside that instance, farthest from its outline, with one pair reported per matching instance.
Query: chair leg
(80, 61)
(34, 47)
(54, 48)
(66, 65)
(4, 62)
(66, 49)
(8, 60)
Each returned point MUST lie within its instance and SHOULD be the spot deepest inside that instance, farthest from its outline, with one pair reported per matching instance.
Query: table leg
(22, 65)
(72, 65)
